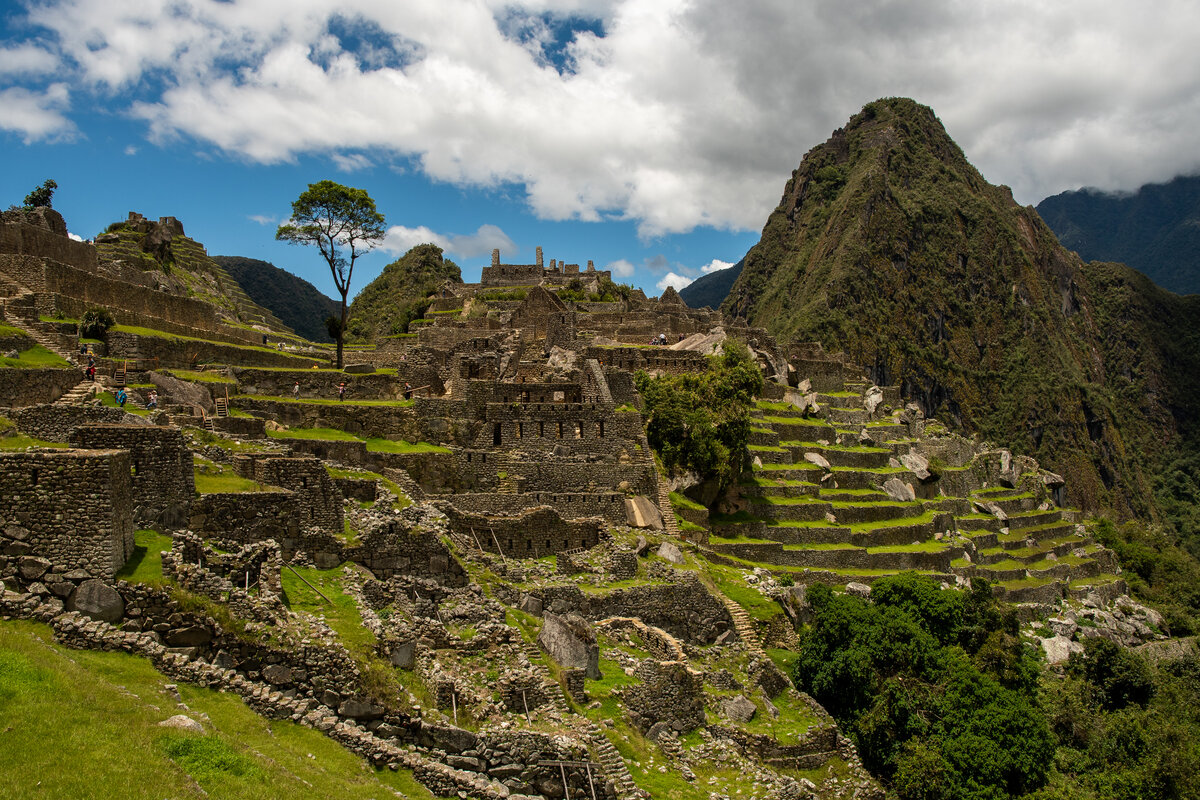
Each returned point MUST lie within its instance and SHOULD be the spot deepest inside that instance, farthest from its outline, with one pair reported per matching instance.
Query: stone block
(571, 642)
(641, 513)
(98, 600)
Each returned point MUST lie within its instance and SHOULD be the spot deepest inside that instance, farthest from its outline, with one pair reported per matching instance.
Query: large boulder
(98, 600)
(739, 709)
(818, 459)
(641, 513)
(669, 551)
(917, 464)
(899, 491)
(571, 642)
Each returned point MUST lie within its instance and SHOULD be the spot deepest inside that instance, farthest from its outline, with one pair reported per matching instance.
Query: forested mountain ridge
(888, 244)
(299, 304)
(1155, 230)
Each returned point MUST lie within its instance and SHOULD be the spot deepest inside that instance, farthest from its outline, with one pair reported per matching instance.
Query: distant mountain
(711, 289)
(1156, 230)
(399, 295)
(294, 300)
(888, 245)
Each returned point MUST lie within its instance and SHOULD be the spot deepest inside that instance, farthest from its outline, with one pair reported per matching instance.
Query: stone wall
(397, 422)
(54, 423)
(73, 507)
(320, 499)
(533, 533)
(395, 548)
(246, 517)
(27, 387)
(161, 461)
(670, 692)
(608, 505)
(324, 383)
(43, 233)
(683, 608)
(188, 353)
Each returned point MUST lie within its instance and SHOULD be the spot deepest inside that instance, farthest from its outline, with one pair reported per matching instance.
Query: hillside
(299, 304)
(389, 303)
(711, 289)
(889, 245)
(1156, 230)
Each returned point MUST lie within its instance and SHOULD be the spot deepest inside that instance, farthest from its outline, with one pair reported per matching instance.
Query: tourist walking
(121, 397)
(342, 391)
(296, 391)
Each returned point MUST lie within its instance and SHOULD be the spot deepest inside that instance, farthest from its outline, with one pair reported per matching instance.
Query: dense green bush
(95, 323)
(700, 422)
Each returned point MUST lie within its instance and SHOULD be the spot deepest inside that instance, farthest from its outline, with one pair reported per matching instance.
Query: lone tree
(41, 196)
(343, 223)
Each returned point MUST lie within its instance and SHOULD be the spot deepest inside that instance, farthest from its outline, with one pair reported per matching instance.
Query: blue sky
(651, 136)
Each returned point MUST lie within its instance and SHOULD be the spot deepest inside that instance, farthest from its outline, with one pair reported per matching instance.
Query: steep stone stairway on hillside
(843, 493)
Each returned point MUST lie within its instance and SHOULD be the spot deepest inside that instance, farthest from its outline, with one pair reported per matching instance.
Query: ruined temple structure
(490, 465)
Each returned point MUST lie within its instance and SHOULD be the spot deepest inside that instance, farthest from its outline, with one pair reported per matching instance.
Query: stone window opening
(579, 430)
(560, 431)
(33, 477)
(468, 458)
(600, 429)
(547, 545)
(520, 430)
(541, 430)
(483, 457)
(496, 437)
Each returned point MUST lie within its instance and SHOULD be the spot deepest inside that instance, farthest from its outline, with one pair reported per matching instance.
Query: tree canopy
(343, 224)
(41, 196)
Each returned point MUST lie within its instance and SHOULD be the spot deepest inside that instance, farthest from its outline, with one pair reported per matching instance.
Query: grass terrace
(324, 401)
(36, 357)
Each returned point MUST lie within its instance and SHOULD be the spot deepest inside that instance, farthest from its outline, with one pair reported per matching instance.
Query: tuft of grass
(35, 357)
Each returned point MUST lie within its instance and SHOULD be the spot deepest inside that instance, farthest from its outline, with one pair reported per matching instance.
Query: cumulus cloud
(36, 115)
(263, 219)
(621, 268)
(26, 59)
(351, 162)
(131, 150)
(673, 280)
(400, 239)
(714, 265)
(670, 113)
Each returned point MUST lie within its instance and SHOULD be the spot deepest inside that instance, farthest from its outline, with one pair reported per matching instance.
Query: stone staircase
(610, 760)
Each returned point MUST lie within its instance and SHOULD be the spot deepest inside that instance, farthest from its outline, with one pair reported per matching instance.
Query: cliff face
(889, 245)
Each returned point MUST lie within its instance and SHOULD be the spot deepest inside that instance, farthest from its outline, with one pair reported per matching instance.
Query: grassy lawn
(325, 401)
(145, 565)
(400, 446)
(33, 358)
(220, 478)
(155, 334)
(11, 439)
(104, 710)
(199, 376)
(683, 501)
(107, 399)
(326, 434)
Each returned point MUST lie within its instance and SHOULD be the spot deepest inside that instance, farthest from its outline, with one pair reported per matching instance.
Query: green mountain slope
(889, 245)
(711, 289)
(1156, 230)
(387, 304)
(292, 299)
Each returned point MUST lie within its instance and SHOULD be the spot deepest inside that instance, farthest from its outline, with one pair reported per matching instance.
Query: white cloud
(714, 265)
(36, 116)
(351, 162)
(671, 279)
(74, 236)
(27, 59)
(400, 239)
(621, 268)
(683, 113)
(131, 150)
(263, 219)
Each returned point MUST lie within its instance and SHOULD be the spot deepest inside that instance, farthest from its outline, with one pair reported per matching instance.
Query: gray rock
(98, 600)
(670, 552)
(1059, 648)
(13, 531)
(858, 589)
(359, 709)
(917, 464)
(505, 771)
(739, 709)
(899, 491)
(33, 567)
(872, 398)
(641, 547)
(530, 605)
(818, 459)
(191, 636)
(641, 513)
(358, 369)
(571, 642)
(404, 655)
(277, 674)
(182, 722)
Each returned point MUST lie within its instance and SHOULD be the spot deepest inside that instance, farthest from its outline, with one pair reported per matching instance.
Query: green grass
(156, 334)
(220, 478)
(378, 445)
(103, 710)
(199, 376)
(683, 501)
(10, 330)
(731, 582)
(325, 401)
(35, 357)
(145, 565)
(107, 399)
(326, 434)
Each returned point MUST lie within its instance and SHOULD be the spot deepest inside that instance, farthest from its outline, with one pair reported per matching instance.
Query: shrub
(95, 323)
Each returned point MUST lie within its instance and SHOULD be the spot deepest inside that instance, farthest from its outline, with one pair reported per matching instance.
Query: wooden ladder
(119, 373)
(222, 404)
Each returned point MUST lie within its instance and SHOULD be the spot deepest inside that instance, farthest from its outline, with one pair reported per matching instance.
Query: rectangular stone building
(73, 507)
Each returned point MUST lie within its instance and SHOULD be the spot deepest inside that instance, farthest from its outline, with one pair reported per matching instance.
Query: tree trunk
(341, 334)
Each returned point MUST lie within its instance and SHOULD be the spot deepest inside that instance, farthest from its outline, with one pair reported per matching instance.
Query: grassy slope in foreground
(85, 724)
